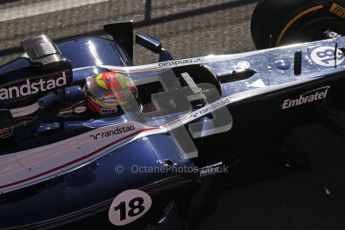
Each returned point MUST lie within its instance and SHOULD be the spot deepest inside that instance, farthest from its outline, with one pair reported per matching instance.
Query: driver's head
(106, 92)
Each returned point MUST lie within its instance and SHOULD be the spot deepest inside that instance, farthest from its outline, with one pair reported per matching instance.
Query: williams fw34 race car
(84, 133)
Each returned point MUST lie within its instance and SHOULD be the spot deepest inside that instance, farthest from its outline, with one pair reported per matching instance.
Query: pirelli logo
(338, 10)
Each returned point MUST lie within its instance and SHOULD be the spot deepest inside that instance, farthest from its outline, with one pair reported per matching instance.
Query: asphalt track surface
(309, 197)
(187, 28)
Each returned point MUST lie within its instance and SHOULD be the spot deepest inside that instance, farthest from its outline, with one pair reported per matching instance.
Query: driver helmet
(108, 91)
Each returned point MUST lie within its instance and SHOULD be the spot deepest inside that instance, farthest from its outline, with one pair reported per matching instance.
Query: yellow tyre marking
(281, 35)
(337, 10)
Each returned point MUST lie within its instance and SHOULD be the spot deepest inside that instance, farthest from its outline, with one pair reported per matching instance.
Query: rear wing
(43, 52)
(48, 71)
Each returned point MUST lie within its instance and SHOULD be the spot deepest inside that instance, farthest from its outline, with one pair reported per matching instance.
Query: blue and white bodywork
(59, 164)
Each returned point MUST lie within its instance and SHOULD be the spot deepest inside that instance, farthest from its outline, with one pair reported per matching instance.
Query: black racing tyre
(280, 22)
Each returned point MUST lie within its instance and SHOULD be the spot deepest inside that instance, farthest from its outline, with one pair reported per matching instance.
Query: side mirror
(153, 45)
(149, 43)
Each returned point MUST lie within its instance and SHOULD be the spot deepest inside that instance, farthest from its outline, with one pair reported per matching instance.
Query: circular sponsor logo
(327, 56)
(129, 206)
(6, 132)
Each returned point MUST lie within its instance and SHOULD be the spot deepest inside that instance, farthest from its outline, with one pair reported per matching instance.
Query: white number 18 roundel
(129, 206)
(327, 56)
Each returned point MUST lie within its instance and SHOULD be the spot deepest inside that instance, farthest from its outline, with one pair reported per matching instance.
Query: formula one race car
(85, 133)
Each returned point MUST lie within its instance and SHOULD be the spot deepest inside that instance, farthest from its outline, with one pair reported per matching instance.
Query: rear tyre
(276, 23)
